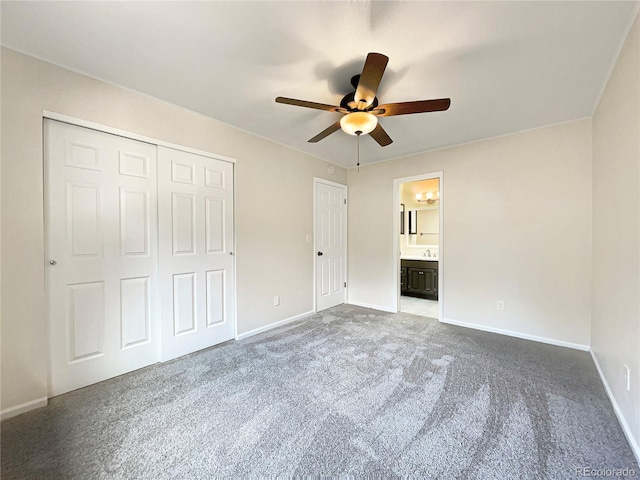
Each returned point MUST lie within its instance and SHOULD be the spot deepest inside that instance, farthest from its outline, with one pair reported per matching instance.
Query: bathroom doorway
(418, 244)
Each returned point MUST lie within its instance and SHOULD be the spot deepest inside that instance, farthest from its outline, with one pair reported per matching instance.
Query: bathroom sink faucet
(427, 253)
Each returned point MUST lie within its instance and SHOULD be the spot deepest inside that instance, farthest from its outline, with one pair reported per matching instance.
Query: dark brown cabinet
(419, 278)
(403, 279)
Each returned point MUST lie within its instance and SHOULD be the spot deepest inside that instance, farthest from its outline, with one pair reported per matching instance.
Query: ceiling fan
(361, 109)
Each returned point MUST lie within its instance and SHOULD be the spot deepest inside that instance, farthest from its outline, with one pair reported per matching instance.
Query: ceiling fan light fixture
(362, 122)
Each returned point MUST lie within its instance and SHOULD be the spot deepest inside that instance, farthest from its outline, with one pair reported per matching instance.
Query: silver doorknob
(53, 262)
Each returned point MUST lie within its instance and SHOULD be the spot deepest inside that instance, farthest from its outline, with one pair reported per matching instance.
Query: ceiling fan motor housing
(349, 102)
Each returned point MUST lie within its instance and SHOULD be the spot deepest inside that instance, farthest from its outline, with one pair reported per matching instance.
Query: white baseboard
(23, 408)
(623, 422)
(279, 323)
(524, 336)
(369, 305)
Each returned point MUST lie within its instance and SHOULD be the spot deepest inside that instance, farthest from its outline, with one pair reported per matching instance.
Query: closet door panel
(101, 255)
(197, 269)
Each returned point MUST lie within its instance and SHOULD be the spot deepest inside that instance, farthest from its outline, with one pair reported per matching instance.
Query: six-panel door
(101, 255)
(196, 251)
(331, 245)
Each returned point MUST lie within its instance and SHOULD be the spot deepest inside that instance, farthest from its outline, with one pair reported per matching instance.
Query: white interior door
(101, 239)
(196, 241)
(331, 244)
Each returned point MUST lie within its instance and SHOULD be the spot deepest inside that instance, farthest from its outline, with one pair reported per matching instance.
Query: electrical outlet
(276, 300)
(500, 305)
(627, 377)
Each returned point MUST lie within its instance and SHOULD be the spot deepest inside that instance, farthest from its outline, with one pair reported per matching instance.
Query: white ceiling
(507, 66)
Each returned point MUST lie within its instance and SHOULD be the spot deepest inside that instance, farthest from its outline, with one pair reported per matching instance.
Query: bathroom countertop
(419, 257)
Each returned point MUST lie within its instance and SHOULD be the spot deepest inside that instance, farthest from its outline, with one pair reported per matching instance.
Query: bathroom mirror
(427, 227)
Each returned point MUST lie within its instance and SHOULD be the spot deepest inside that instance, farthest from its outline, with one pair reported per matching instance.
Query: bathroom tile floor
(419, 306)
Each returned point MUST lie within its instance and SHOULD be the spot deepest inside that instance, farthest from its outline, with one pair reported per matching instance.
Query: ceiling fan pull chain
(358, 164)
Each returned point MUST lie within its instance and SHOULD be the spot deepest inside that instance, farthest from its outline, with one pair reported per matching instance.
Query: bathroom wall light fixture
(428, 197)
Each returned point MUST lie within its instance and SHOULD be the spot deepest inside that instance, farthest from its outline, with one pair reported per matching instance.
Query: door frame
(79, 122)
(396, 237)
(316, 181)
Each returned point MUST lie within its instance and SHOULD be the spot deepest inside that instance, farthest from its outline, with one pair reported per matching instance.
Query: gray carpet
(350, 391)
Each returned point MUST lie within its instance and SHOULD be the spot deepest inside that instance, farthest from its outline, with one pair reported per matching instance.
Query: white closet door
(196, 251)
(101, 228)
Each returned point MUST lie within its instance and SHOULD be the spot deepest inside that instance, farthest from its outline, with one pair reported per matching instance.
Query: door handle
(320, 254)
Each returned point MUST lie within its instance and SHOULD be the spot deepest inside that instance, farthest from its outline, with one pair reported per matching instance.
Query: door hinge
(345, 201)
(345, 284)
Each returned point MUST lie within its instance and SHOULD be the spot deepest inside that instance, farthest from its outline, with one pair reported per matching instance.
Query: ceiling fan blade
(304, 103)
(370, 79)
(381, 136)
(325, 133)
(405, 108)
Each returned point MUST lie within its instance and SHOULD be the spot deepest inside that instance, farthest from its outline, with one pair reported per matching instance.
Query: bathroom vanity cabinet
(419, 278)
